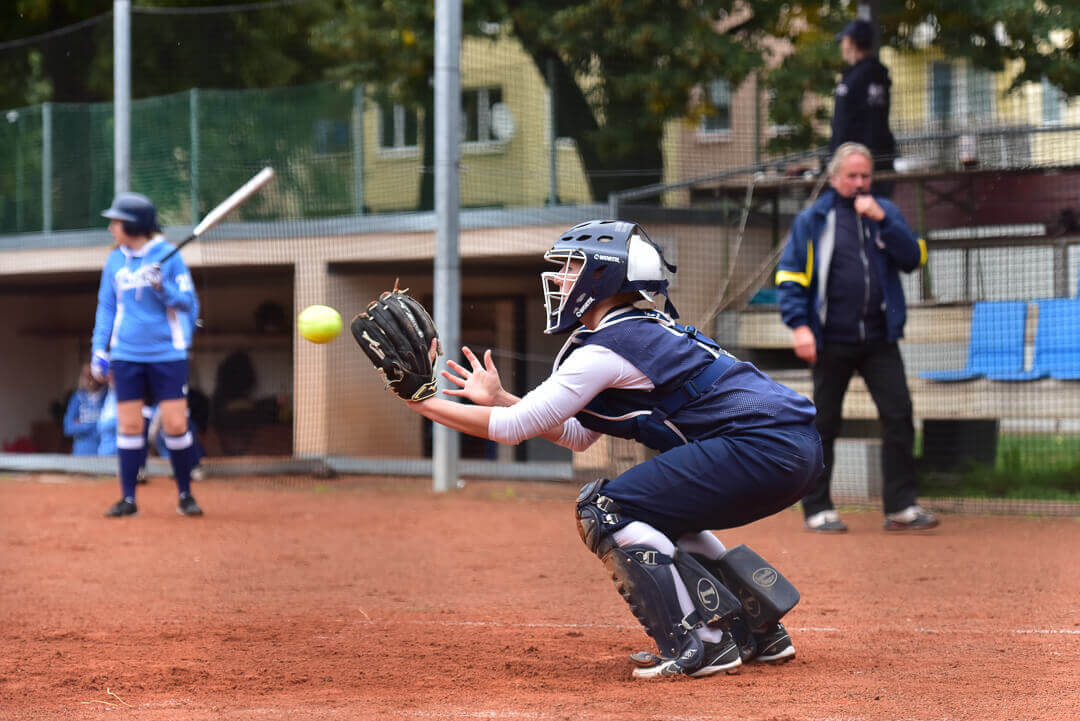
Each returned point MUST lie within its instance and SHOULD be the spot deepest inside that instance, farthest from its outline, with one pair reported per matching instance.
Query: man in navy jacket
(839, 291)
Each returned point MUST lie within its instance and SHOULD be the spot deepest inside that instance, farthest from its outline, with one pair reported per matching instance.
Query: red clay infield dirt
(365, 598)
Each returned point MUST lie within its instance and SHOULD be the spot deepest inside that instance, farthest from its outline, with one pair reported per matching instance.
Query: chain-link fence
(989, 183)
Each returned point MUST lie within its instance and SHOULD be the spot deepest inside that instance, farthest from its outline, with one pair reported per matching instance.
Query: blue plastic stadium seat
(996, 345)
(1057, 343)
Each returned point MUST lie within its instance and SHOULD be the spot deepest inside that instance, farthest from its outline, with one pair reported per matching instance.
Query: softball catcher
(734, 445)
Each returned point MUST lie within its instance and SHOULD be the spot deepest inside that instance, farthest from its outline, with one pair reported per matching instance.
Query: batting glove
(99, 366)
(151, 275)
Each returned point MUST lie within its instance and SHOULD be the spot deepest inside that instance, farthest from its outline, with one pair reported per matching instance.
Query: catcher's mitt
(396, 333)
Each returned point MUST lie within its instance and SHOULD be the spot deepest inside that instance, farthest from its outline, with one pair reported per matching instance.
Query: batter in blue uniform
(142, 332)
(734, 446)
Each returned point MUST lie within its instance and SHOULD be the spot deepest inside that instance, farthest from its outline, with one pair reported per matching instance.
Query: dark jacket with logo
(861, 111)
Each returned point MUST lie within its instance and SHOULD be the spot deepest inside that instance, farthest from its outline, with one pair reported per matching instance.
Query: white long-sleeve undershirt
(582, 376)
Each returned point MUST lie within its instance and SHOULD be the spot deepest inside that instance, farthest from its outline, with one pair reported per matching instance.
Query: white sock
(702, 543)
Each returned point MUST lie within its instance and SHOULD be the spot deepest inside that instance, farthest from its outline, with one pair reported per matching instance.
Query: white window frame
(964, 80)
(489, 143)
(706, 134)
(399, 149)
(1049, 93)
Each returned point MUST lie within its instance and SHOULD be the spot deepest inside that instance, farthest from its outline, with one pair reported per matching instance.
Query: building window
(961, 95)
(941, 97)
(331, 136)
(980, 95)
(718, 117)
(1053, 102)
(476, 115)
(398, 127)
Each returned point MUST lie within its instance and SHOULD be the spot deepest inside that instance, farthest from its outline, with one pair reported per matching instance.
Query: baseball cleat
(774, 646)
(667, 667)
(645, 659)
(123, 507)
(723, 656)
(188, 507)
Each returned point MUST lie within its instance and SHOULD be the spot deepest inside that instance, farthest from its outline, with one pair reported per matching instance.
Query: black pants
(882, 368)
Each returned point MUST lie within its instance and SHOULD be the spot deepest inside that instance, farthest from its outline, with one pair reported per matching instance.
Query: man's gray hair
(844, 151)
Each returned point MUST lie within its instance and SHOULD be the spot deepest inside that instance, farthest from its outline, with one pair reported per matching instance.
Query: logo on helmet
(608, 258)
(584, 307)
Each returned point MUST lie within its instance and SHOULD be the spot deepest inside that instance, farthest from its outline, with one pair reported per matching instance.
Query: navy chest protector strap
(652, 425)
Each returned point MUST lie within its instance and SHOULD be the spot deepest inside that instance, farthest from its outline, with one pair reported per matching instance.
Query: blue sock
(131, 451)
(182, 458)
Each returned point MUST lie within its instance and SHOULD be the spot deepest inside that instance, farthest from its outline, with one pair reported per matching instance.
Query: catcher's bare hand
(480, 383)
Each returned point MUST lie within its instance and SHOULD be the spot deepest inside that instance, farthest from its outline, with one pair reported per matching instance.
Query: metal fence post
(46, 167)
(446, 450)
(122, 95)
(358, 149)
(193, 108)
(553, 134)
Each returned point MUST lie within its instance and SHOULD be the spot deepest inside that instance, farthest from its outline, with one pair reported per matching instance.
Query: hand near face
(867, 207)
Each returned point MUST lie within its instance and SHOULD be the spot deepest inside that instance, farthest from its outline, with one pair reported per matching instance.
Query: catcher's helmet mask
(135, 211)
(611, 257)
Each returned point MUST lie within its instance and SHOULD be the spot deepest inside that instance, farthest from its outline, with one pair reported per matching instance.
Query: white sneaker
(912, 518)
(826, 522)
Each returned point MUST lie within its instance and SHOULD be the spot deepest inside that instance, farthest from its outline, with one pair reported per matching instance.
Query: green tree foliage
(172, 50)
(622, 69)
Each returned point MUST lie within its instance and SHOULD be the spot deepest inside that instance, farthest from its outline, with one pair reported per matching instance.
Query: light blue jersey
(136, 323)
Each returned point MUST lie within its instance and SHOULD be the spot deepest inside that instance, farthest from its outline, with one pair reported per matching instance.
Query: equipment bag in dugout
(396, 333)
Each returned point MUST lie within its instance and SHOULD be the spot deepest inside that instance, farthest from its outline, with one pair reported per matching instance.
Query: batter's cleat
(826, 522)
(123, 507)
(188, 507)
(912, 518)
(774, 645)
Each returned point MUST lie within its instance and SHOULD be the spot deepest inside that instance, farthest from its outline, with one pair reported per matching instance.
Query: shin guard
(643, 576)
(765, 595)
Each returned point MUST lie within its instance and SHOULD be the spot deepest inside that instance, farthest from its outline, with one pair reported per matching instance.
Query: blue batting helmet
(135, 211)
(613, 257)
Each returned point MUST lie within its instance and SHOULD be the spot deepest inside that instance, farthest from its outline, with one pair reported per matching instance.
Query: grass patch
(1027, 466)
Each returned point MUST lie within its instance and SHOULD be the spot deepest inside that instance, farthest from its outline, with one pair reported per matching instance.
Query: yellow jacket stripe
(803, 278)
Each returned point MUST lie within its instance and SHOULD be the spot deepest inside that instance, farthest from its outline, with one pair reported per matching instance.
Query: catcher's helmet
(135, 211)
(615, 257)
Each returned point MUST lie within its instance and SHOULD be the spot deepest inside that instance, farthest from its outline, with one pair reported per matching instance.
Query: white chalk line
(580, 715)
(798, 629)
